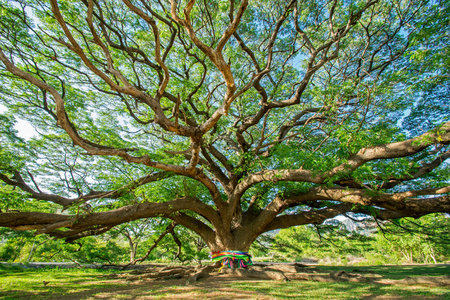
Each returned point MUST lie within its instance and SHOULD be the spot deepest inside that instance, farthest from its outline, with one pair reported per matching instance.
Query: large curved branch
(312, 68)
(158, 58)
(206, 233)
(214, 168)
(408, 208)
(95, 149)
(310, 217)
(385, 151)
(19, 182)
(424, 169)
(395, 201)
(127, 88)
(216, 57)
(63, 119)
(74, 46)
(76, 224)
(404, 203)
(398, 204)
(261, 73)
(231, 27)
(394, 150)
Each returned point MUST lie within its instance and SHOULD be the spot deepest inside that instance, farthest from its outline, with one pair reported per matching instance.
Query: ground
(377, 282)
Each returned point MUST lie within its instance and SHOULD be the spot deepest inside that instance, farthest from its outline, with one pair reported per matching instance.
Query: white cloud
(25, 129)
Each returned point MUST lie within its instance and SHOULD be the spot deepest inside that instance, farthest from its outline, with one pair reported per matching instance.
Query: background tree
(134, 233)
(330, 242)
(394, 241)
(414, 241)
(230, 118)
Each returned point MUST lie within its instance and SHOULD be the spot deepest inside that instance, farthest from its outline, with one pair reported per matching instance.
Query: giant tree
(230, 118)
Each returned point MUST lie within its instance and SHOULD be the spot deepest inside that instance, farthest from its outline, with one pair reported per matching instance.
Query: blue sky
(24, 128)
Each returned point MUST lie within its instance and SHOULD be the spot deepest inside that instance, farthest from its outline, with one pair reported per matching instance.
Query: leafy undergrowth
(99, 284)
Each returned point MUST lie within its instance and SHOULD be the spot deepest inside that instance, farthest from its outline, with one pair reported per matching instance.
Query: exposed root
(157, 273)
(202, 273)
(278, 272)
(254, 273)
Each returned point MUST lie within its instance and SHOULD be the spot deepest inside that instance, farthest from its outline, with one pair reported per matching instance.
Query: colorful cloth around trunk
(243, 258)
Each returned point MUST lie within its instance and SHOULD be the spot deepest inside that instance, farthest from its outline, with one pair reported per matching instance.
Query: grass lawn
(95, 284)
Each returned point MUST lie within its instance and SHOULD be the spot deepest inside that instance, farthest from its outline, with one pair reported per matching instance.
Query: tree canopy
(230, 118)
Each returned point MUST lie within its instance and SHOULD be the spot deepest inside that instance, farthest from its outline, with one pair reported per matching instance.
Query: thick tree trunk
(230, 241)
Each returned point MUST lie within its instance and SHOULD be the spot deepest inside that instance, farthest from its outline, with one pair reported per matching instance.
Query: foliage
(112, 248)
(24, 247)
(415, 241)
(322, 242)
(228, 118)
(12, 244)
(402, 241)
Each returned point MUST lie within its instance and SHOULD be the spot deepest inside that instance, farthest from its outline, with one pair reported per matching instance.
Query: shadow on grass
(164, 289)
(395, 272)
(343, 290)
(63, 284)
(44, 283)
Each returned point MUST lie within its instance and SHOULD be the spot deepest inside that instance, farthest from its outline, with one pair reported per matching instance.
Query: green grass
(395, 272)
(93, 284)
(323, 290)
(353, 290)
(16, 283)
